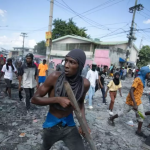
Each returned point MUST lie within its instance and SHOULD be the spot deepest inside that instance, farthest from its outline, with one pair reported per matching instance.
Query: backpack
(2, 62)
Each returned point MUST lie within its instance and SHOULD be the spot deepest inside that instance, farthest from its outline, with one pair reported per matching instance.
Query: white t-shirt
(92, 76)
(9, 72)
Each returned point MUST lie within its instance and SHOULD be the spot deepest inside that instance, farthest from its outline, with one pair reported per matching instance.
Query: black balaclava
(76, 82)
(94, 67)
(116, 80)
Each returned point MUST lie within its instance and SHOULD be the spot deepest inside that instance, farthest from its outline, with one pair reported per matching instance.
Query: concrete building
(17, 51)
(103, 53)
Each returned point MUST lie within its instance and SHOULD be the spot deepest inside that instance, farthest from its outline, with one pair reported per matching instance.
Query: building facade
(103, 53)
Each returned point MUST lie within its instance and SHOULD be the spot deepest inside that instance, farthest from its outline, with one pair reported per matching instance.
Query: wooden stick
(79, 115)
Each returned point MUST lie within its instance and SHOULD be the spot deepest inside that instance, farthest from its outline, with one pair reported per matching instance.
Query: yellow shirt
(138, 85)
(113, 87)
(43, 69)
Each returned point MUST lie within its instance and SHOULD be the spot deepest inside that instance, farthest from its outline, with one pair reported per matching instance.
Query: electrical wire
(87, 20)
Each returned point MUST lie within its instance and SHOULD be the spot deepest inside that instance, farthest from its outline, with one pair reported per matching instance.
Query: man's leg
(140, 121)
(90, 95)
(73, 139)
(8, 89)
(27, 92)
(50, 136)
(126, 108)
(103, 94)
(112, 96)
(31, 92)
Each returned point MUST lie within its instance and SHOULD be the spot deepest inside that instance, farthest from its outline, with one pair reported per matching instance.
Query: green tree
(62, 28)
(144, 56)
(40, 48)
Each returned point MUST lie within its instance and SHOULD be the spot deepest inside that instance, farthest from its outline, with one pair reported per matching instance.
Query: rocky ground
(14, 121)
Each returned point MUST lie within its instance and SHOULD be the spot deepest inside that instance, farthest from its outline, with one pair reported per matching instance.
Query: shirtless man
(59, 124)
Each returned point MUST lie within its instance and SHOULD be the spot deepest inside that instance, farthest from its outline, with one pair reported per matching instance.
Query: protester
(98, 69)
(133, 100)
(136, 72)
(112, 87)
(43, 71)
(28, 75)
(92, 76)
(121, 72)
(124, 73)
(2, 61)
(102, 76)
(8, 70)
(133, 72)
(111, 69)
(59, 124)
(36, 63)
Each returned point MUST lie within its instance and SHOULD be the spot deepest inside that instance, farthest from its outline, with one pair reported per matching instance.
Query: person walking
(102, 76)
(92, 76)
(43, 71)
(112, 87)
(133, 100)
(8, 70)
(28, 75)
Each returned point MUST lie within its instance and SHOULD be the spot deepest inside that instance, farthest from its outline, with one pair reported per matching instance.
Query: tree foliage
(62, 28)
(144, 56)
(40, 48)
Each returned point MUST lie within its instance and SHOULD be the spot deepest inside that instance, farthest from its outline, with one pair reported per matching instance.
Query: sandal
(111, 122)
(141, 134)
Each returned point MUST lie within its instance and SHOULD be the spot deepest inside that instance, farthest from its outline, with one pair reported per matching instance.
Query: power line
(84, 18)
(114, 31)
(89, 21)
(109, 1)
(104, 7)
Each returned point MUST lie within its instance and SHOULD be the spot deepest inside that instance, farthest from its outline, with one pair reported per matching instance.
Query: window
(70, 46)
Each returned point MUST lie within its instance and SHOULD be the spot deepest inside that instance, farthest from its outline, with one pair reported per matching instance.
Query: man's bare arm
(46, 88)
(100, 82)
(132, 95)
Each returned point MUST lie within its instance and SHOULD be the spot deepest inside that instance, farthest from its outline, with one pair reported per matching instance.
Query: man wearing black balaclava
(92, 76)
(28, 75)
(59, 123)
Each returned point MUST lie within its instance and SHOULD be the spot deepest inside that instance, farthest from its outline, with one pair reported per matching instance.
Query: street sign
(48, 35)
(47, 42)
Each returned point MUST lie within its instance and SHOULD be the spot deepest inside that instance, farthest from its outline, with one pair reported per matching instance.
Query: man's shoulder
(86, 83)
(54, 75)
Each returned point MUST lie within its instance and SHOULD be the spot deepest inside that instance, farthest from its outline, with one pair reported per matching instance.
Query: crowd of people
(84, 82)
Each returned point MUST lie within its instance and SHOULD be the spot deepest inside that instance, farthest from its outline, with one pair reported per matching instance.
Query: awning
(121, 60)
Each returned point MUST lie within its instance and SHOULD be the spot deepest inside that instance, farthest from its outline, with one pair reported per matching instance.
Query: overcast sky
(102, 18)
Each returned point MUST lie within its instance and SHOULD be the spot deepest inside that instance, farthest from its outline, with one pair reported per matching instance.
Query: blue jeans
(103, 93)
(90, 95)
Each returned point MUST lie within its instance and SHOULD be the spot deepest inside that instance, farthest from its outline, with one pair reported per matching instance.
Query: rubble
(14, 121)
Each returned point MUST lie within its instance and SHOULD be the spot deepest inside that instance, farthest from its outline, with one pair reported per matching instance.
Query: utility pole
(48, 50)
(23, 35)
(141, 43)
(131, 36)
